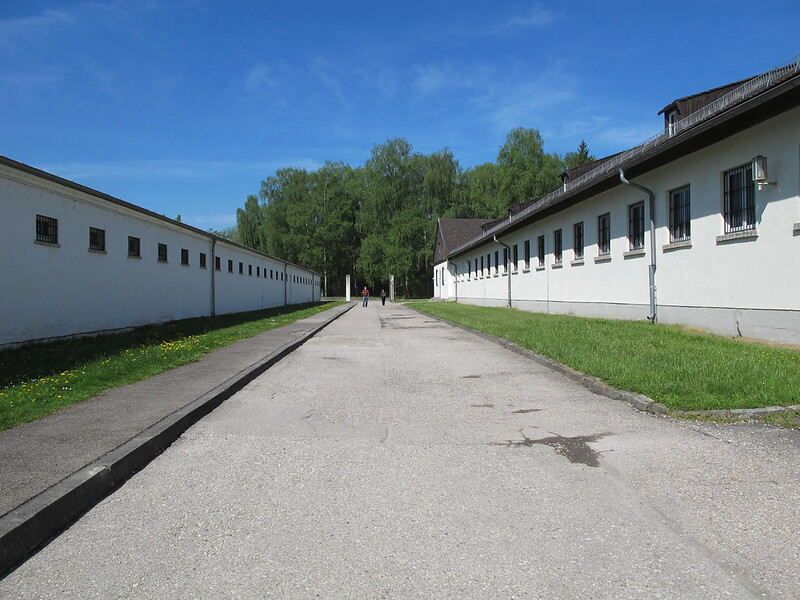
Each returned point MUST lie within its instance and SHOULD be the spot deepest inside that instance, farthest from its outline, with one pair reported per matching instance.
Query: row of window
(47, 233)
(738, 214)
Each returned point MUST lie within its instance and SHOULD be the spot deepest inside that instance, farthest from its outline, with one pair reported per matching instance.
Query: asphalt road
(393, 456)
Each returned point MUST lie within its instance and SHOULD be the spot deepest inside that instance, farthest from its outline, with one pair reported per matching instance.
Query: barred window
(202, 260)
(134, 247)
(46, 229)
(217, 263)
(469, 269)
(540, 250)
(636, 226)
(740, 199)
(496, 262)
(516, 257)
(481, 266)
(488, 264)
(527, 254)
(557, 246)
(577, 240)
(604, 233)
(97, 239)
(505, 260)
(230, 266)
(680, 222)
(185, 257)
(162, 253)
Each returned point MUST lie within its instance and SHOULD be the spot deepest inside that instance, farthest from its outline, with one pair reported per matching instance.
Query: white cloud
(534, 17)
(259, 78)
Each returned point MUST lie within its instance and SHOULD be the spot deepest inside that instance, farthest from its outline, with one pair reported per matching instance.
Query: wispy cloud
(535, 16)
(11, 29)
(173, 169)
(261, 77)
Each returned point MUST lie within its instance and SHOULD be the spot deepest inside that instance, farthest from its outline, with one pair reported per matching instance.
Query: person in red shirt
(365, 296)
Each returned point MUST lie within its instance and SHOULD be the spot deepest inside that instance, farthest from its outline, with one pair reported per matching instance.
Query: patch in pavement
(470, 377)
(482, 405)
(525, 411)
(576, 449)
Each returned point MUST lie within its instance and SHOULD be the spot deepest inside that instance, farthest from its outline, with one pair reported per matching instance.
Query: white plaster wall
(757, 274)
(49, 291)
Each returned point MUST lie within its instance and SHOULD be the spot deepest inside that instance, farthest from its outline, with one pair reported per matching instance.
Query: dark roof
(576, 172)
(770, 94)
(452, 233)
(694, 102)
(19, 166)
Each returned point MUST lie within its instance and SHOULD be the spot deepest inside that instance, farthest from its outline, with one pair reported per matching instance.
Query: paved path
(393, 456)
(39, 454)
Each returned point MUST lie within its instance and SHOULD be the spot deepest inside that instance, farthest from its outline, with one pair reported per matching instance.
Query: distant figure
(383, 297)
(364, 296)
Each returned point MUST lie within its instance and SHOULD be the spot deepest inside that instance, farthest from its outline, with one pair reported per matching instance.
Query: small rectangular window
(636, 226)
(527, 254)
(557, 247)
(185, 257)
(258, 271)
(740, 199)
(604, 233)
(270, 273)
(162, 253)
(515, 262)
(680, 222)
(540, 250)
(217, 263)
(505, 260)
(481, 266)
(230, 266)
(250, 270)
(46, 229)
(577, 240)
(469, 269)
(134, 247)
(496, 262)
(202, 260)
(488, 264)
(97, 239)
(241, 268)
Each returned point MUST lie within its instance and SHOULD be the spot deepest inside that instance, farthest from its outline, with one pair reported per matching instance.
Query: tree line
(380, 218)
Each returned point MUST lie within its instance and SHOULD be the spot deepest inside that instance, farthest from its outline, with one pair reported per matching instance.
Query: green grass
(685, 370)
(39, 379)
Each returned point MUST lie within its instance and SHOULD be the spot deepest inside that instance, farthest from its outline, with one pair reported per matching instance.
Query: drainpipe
(508, 260)
(455, 283)
(285, 283)
(652, 270)
(213, 276)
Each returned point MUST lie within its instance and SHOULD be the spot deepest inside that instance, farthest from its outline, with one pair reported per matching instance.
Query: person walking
(383, 297)
(364, 297)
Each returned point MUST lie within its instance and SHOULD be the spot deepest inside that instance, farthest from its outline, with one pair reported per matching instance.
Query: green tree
(526, 171)
(578, 158)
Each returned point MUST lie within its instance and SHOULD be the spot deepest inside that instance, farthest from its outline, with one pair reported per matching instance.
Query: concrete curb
(598, 386)
(30, 526)
(744, 413)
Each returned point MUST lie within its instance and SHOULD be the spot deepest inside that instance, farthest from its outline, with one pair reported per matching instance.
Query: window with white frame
(680, 221)
(739, 202)
(577, 240)
(636, 226)
(604, 233)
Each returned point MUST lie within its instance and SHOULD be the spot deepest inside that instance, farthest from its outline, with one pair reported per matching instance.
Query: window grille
(202, 260)
(46, 229)
(577, 240)
(680, 222)
(217, 263)
(134, 247)
(185, 257)
(162, 253)
(740, 199)
(97, 239)
(636, 226)
(604, 233)
(557, 247)
(230, 266)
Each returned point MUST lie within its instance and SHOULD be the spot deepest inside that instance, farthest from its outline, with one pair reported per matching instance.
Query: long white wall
(748, 287)
(50, 291)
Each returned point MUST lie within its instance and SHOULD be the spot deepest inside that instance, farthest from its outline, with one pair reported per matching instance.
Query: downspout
(455, 283)
(285, 283)
(508, 271)
(213, 276)
(652, 270)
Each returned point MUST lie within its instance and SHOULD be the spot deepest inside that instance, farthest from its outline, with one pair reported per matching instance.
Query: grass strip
(39, 379)
(683, 369)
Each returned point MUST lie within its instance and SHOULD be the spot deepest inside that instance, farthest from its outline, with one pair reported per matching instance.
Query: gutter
(652, 269)
(508, 260)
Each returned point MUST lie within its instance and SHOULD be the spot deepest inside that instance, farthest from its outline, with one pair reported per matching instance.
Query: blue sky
(184, 106)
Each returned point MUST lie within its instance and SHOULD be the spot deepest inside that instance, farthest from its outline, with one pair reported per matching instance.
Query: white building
(725, 211)
(78, 261)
